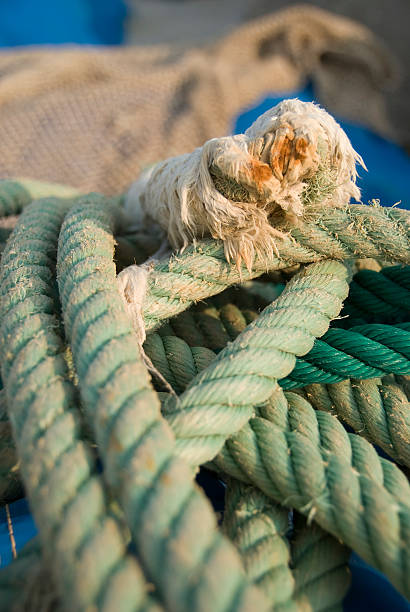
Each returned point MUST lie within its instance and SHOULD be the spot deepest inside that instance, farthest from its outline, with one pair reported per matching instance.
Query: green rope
(308, 573)
(10, 485)
(258, 529)
(304, 459)
(17, 194)
(365, 351)
(202, 271)
(320, 568)
(378, 297)
(378, 412)
(215, 404)
(193, 569)
(334, 481)
(65, 491)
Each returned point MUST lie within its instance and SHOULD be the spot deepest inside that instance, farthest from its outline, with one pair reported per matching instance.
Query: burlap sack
(93, 117)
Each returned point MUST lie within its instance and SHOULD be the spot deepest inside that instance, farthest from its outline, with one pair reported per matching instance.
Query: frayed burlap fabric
(92, 118)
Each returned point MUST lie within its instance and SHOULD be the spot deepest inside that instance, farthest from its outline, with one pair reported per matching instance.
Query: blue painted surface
(37, 22)
(23, 526)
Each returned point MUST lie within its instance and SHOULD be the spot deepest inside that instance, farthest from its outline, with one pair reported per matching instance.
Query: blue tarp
(40, 22)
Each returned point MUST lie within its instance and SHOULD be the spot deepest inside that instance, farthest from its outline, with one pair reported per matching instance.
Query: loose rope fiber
(202, 271)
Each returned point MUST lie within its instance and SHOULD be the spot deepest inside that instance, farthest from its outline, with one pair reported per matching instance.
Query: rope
(366, 351)
(379, 297)
(320, 568)
(308, 572)
(202, 271)
(304, 459)
(214, 405)
(193, 569)
(378, 412)
(258, 528)
(299, 460)
(57, 465)
(15, 195)
(10, 486)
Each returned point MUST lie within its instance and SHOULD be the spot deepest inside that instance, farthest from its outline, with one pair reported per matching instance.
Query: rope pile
(241, 384)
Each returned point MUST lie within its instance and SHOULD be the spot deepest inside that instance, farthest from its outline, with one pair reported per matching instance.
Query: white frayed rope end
(132, 285)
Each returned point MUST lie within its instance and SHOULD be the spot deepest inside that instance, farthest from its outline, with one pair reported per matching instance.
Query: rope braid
(377, 411)
(57, 465)
(202, 271)
(264, 352)
(192, 569)
(365, 351)
(258, 528)
(320, 567)
(308, 572)
(304, 459)
(378, 297)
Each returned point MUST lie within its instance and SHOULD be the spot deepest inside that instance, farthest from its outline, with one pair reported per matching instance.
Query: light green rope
(193, 569)
(216, 403)
(258, 529)
(309, 572)
(379, 412)
(65, 491)
(202, 271)
(304, 459)
(320, 568)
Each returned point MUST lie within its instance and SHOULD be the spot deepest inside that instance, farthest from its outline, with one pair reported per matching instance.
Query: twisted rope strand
(320, 568)
(312, 573)
(378, 412)
(216, 403)
(65, 491)
(193, 569)
(375, 297)
(304, 459)
(258, 529)
(202, 271)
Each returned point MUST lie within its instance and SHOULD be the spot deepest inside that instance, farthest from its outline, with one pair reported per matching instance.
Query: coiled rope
(308, 572)
(297, 456)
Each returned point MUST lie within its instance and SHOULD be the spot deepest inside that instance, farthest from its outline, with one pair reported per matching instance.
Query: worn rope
(10, 485)
(201, 270)
(57, 465)
(365, 351)
(378, 297)
(304, 459)
(307, 571)
(259, 356)
(258, 529)
(380, 412)
(193, 569)
(320, 567)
